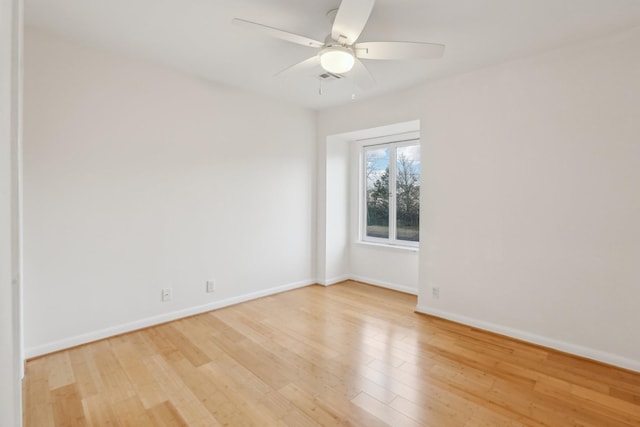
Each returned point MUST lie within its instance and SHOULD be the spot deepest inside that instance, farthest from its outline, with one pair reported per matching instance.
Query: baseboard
(156, 320)
(382, 284)
(369, 281)
(574, 349)
(334, 280)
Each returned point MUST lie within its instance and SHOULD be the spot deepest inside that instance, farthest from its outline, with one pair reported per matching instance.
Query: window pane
(377, 164)
(408, 193)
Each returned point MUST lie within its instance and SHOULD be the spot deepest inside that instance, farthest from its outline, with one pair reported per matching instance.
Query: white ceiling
(197, 36)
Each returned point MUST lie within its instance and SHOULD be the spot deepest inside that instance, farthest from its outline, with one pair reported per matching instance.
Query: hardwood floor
(350, 354)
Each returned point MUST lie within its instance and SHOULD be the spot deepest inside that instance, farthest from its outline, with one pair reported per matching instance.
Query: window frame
(393, 142)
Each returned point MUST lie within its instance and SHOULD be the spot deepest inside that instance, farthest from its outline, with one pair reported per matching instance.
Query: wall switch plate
(166, 294)
(435, 292)
(211, 286)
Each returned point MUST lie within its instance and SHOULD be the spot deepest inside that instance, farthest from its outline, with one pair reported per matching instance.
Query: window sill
(386, 246)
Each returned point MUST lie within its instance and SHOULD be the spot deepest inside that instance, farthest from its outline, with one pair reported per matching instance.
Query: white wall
(337, 212)
(383, 266)
(531, 220)
(138, 178)
(10, 355)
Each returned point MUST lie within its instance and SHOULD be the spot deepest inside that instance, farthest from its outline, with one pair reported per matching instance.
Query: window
(391, 181)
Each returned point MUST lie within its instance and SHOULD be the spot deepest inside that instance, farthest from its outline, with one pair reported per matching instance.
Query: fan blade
(361, 75)
(350, 20)
(279, 34)
(398, 50)
(307, 64)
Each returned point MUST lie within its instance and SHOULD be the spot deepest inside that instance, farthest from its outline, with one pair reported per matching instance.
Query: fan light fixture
(337, 59)
(341, 52)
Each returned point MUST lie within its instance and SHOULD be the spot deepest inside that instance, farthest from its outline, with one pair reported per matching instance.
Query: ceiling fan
(340, 53)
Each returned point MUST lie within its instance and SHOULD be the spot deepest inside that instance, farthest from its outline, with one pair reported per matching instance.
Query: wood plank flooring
(350, 354)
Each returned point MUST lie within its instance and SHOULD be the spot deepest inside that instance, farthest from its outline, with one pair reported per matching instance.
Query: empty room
(304, 213)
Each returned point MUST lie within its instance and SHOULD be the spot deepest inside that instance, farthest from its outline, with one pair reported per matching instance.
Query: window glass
(408, 193)
(377, 181)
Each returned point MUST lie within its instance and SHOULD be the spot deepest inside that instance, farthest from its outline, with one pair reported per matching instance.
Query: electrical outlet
(211, 286)
(166, 294)
(435, 292)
